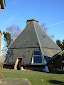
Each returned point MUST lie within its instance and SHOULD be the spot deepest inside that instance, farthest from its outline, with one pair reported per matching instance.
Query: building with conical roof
(33, 49)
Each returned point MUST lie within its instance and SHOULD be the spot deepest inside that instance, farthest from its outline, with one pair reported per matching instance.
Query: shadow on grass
(56, 82)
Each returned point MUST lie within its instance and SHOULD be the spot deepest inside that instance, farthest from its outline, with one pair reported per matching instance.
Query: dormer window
(44, 36)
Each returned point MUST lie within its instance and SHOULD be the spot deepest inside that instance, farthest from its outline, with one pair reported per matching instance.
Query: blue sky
(49, 12)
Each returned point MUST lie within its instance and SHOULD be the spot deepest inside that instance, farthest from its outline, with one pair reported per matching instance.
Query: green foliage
(61, 45)
(7, 37)
(58, 42)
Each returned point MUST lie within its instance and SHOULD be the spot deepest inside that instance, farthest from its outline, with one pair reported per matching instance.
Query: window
(37, 59)
(46, 58)
(8, 53)
(44, 36)
(6, 60)
(36, 52)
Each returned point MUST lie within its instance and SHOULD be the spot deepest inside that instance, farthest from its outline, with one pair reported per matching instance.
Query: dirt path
(25, 72)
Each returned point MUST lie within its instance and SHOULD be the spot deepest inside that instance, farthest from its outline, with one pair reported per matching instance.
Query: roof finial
(32, 20)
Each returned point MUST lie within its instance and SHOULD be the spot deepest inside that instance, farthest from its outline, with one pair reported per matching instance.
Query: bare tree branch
(45, 30)
(14, 31)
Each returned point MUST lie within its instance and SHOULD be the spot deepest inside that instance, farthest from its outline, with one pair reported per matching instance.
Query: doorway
(19, 64)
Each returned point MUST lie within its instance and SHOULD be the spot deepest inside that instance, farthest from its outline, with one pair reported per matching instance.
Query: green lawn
(39, 79)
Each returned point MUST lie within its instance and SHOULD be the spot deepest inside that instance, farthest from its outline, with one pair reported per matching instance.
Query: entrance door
(19, 64)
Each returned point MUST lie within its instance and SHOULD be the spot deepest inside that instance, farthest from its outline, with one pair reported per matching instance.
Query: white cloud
(55, 24)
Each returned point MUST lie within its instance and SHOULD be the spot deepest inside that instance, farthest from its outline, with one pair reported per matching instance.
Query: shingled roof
(32, 37)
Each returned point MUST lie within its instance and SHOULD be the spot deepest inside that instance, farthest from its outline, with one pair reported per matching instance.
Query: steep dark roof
(27, 38)
(33, 36)
(44, 39)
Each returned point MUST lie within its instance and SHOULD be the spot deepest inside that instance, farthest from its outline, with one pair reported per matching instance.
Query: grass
(39, 79)
(1, 73)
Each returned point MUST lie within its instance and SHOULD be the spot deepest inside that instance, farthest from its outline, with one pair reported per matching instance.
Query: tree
(46, 29)
(7, 41)
(14, 31)
(58, 42)
(7, 38)
(63, 45)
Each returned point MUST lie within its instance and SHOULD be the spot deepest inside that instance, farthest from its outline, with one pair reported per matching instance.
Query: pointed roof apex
(32, 20)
